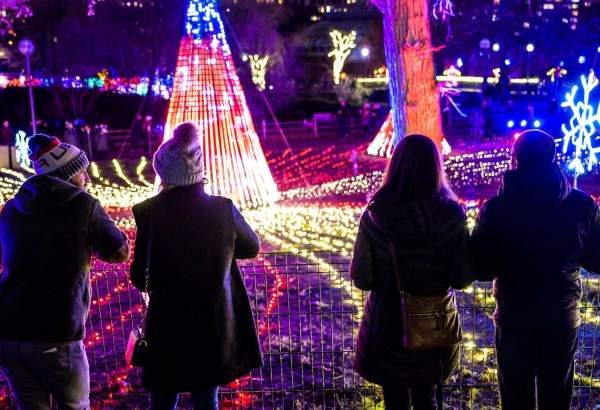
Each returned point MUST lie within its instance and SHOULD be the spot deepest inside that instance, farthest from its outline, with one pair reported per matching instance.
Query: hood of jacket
(41, 194)
(543, 185)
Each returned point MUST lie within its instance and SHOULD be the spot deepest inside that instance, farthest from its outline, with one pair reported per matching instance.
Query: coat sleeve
(461, 272)
(247, 244)
(591, 256)
(137, 271)
(361, 266)
(109, 243)
(483, 244)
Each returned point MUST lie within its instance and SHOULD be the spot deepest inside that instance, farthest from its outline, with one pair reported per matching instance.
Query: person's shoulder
(143, 207)
(580, 197)
(84, 198)
(7, 207)
(582, 201)
(451, 208)
(216, 202)
(494, 203)
(219, 200)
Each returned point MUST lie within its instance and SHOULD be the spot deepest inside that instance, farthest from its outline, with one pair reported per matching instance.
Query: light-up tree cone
(207, 91)
(383, 143)
(409, 55)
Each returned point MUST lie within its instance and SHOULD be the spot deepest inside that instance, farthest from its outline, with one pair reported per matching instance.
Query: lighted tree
(258, 66)
(343, 44)
(207, 91)
(409, 56)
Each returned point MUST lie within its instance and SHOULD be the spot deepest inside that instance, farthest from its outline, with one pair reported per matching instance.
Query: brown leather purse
(428, 322)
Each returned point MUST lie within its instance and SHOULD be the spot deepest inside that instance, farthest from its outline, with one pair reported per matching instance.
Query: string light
(343, 44)
(383, 143)
(258, 66)
(207, 91)
(582, 125)
(121, 85)
(299, 227)
(22, 150)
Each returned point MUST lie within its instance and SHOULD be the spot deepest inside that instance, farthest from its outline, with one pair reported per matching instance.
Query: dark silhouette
(199, 324)
(430, 236)
(48, 232)
(532, 238)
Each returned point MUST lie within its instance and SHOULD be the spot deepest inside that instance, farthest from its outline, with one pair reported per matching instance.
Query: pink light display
(207, 91)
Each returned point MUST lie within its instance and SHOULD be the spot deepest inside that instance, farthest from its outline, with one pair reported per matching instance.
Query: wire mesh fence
(307, 314)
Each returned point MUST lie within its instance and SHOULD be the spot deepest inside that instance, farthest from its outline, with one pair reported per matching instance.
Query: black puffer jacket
(533, 238)
(430, 238)
(199, 327)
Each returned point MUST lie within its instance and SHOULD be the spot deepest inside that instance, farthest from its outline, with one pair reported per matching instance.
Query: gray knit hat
(179, 160)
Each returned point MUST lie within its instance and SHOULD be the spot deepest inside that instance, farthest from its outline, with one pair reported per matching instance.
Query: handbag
(428, 322)
(137, 345)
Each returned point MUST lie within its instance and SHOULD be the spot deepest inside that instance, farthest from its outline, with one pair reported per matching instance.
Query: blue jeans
(205, 399)
(37, 371)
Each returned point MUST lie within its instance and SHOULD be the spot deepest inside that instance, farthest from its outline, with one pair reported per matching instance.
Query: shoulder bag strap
(393, 252)
(146, 294)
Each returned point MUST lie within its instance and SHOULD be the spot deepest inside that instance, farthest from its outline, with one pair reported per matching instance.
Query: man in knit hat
(533, 238)
(48, 232)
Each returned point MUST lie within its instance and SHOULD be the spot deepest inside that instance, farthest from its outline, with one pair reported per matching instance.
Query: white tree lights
(258, 66)
(343, 44)
(582, 131)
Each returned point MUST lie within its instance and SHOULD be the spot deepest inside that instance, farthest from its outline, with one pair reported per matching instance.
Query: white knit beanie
(179, 160)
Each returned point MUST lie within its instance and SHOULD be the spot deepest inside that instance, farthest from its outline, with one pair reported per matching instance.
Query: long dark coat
(199, 325)
(430, 238)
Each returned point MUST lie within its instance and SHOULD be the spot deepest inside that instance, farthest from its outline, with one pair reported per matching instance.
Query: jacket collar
(540, 184)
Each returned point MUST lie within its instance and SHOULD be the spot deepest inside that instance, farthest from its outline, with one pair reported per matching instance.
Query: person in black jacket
(48, 232)
(199, 324)
(430, 235)
(532, 239)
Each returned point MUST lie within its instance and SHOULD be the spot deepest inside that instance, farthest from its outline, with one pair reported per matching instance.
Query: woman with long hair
(199, 327)
(414, 225)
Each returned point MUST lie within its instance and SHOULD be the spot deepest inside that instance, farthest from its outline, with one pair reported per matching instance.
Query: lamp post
(529, 48)
(27, 48)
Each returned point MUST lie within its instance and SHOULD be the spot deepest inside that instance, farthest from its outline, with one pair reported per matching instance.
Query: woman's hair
(415, 172)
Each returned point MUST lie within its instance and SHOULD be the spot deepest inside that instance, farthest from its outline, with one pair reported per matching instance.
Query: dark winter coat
(533, 238)
(430, 238)
(199, 325)
(48, 233)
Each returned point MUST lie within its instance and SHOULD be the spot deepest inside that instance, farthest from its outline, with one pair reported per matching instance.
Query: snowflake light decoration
(582, 130)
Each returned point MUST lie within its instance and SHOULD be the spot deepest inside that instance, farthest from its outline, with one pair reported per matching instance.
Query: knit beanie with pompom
(179, 160)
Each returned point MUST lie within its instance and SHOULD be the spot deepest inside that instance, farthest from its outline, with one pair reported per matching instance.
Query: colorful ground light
(306, 309)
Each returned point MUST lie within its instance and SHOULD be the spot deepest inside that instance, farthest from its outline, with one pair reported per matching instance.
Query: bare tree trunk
(413, 91)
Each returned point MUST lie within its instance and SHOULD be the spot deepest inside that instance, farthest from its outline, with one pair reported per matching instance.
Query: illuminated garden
(305, 197)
